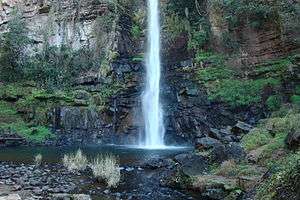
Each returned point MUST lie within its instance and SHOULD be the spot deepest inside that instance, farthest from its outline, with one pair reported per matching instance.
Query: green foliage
(273, 102)
(214, 60)
(295, 99)
(275, 68)
(256, 12)
(175, 26)
(198, 39)
(239, 92)
(231, 168)
(297, 89)
(284, 179)
(136, 32)
(13, 49)
(256, 138)
(57, 67)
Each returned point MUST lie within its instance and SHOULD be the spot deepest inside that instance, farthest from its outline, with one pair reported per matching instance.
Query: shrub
(273, 102)
(107, 168)
(239, 92)
(38, 160)
(75, 161)
(136, 32)
(13, 56)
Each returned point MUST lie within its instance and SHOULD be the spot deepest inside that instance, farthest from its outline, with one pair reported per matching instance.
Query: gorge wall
(95, 25)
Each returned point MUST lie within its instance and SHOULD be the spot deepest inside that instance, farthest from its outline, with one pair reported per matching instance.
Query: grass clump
(75, 161)
(38, 160)
(106, 168)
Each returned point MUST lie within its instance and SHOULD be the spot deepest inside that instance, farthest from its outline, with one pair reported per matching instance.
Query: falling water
(154, 129)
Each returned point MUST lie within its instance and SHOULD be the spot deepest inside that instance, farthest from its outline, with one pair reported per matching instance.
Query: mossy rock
(13, 92)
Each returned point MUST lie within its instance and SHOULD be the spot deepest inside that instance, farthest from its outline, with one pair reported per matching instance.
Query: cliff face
(62, 22)
(95, 25)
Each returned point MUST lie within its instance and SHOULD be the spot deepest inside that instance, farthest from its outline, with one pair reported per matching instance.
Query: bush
(75, 161)
(107, 168)
(273, 102)
(239, 92)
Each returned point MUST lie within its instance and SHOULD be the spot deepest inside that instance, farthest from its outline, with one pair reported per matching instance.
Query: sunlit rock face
(59, 21)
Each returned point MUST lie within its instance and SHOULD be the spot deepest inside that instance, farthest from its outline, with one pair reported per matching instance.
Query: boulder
(241, 128)
(221, 153)
(156, 163)
(192, 164)
(11, 197)
(206, 143)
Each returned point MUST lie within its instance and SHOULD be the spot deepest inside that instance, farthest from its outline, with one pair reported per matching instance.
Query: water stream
(154, 128)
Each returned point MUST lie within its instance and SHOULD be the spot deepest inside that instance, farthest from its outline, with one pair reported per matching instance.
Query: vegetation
(38, 160)
(106, 168)
(75, 161)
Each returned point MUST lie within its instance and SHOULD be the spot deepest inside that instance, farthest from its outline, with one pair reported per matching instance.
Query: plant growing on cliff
(106, 168)
(75, 161)
(13, 46)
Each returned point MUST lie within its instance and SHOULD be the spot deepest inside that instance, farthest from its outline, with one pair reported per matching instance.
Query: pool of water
(126, 154)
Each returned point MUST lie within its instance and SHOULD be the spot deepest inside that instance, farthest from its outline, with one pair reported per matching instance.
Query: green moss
(214, 74)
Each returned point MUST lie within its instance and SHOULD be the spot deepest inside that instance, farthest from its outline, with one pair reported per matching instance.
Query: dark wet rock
(192, 164)
(241, 128)
(293, 140)
(156, 163)
(221, 152)
(206, 143)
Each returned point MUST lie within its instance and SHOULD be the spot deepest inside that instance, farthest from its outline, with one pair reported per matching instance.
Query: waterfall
(154, 129)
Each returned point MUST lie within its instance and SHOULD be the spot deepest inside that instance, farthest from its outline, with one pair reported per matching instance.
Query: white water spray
(154, 129)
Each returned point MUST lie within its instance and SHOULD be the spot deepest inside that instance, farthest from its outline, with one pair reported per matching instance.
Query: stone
(221, 152)
(81, 197)
(156, 163)
(206, 143)
(11, 197)
(204, 182)
(241, 128)
(192, 164)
